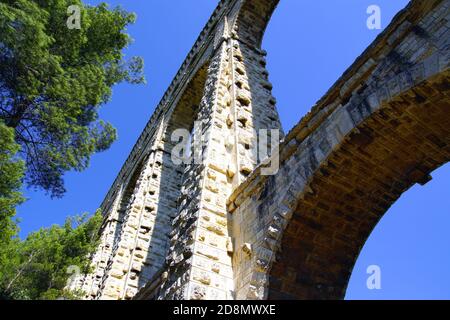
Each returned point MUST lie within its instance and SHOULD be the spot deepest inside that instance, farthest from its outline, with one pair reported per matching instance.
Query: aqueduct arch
(349, 192)
(223, 230)
(383, 127)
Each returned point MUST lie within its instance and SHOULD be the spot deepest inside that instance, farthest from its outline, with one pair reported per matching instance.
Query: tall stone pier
(208, 217)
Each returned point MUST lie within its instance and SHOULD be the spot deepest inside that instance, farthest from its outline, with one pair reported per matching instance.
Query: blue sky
(310, 43)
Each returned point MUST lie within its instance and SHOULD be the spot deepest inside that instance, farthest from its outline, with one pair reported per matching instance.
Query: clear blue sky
(310, 44)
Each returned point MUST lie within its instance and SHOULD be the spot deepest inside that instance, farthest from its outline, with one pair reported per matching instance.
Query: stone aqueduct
(222, 230)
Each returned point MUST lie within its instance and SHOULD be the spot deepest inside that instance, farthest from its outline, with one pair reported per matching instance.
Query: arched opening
(393, 149)
(389, 154)
(166, 188)
(379, 130)
(410, 247)
(253, 19)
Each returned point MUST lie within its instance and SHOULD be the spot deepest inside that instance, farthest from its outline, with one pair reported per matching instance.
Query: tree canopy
(11, 173)
(54, 79)
(37, 268)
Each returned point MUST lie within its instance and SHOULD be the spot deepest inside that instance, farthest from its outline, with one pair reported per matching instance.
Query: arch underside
(253, 19)
(396, 147)
(170, 176)
(186, 109)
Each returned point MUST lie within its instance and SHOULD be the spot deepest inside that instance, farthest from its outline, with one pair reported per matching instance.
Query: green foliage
(11, 173)
(37, 268)
(53, 81)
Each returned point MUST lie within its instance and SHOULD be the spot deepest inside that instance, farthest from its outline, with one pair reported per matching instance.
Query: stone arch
(187, 107)
(350, 192)
(167, 176)
(252, 20)
(343, 177)
(383, 127)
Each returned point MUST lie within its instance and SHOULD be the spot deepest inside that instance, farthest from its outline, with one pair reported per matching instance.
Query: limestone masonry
(223, 229)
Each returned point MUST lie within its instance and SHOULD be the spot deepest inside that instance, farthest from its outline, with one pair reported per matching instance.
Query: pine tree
(53, 80)
(37, 268)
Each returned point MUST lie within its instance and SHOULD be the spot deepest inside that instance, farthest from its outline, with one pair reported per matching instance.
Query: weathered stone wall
(222, 229)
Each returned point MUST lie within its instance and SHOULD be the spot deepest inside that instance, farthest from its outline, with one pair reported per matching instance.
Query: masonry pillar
(236, 104)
